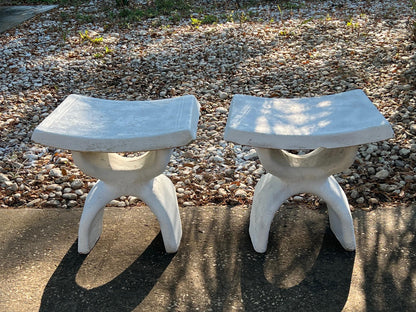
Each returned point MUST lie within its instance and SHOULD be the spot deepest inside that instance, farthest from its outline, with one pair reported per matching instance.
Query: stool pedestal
(95, 130)
(330, 125)
(291, 174)
(138, 176)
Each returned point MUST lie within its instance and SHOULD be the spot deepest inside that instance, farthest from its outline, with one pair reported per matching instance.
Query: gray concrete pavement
(215, 269)
(11, 16)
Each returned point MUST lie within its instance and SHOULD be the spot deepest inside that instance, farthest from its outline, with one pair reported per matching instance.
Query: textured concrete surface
(215, 268)
(11, 16)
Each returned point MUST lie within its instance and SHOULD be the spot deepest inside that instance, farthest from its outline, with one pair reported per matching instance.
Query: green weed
(196, 22)
(86, 37)
(206, 20)
(230, 17)
(353, 25)
(106, 51)
(209, 19)
(281, 13)
(241, 16)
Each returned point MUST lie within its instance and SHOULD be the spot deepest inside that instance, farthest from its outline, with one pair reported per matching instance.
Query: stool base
(140, 177)
(271, 192)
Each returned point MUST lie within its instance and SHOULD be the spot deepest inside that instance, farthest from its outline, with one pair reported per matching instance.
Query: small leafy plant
(86, 37)
(350, 23)
(107, 50)
(196, 22)
(206, 20)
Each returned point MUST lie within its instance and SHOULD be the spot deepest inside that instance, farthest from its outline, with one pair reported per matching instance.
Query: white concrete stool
(333, 126)
(95, 130)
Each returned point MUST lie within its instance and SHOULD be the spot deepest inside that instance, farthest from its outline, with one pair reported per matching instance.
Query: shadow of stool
(123, 293)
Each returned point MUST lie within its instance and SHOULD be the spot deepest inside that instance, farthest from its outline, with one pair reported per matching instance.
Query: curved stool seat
(95, 129)
(332, 126)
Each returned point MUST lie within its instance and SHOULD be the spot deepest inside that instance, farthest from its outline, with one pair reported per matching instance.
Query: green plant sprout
(352, 25)
(230, 17)
(281, 13)
(86, 37)
(209, 19)
(243, 17)
(107, 50)
(196, 22)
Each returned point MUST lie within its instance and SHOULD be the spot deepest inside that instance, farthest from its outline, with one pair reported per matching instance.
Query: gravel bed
(307, 49)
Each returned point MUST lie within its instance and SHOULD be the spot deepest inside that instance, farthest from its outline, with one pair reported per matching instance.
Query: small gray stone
(3, 177)
(222, 95)
(387, 187)
(69, 196)
(72, 203)
(33, 202)
(404, 152)
(360, 200)
(53, 203)
(14, 187)
(259, 171)
(229, 172)
(373, 201)
(240, 193)
(371, 148)
(62, 160)
(354, 194)
(199, 177)
(117, 203)
(222, 192)
(133, 200)
(40, 177)
(251, 155)
(77, 184)
(382, 174)
(221, 110)
(218, 158)
(55, 173)
(50, 187)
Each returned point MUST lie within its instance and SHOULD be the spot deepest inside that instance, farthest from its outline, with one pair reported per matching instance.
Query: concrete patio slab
(215, 269)
(11, 16)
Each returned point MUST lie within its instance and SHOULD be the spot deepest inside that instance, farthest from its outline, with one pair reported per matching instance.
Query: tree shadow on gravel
(324, 288)
(124, 293)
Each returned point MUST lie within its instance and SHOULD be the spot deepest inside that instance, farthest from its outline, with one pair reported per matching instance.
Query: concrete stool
(95, 130)
(333, 126)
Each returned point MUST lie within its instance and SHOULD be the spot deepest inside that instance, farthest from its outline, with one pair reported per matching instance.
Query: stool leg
(91, 223)
(160, 195)
(269, 195)
(340, 218)
(139, 176)
(271, 192)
